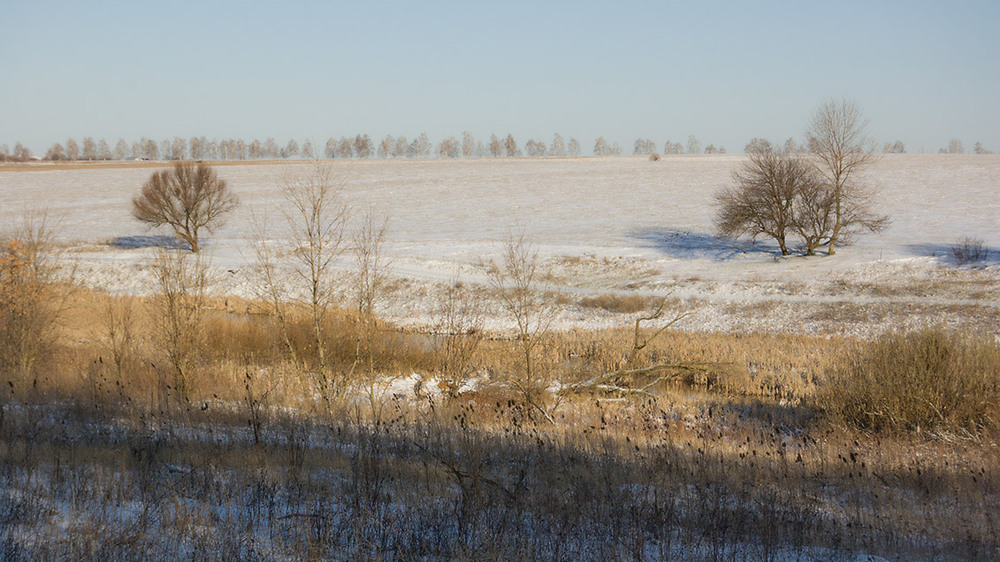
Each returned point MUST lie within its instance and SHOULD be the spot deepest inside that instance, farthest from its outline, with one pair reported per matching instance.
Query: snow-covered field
(600, 225)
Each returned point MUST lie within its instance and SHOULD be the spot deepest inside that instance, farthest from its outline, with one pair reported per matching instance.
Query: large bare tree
(187, 198)
(837, 140)
(765, 198)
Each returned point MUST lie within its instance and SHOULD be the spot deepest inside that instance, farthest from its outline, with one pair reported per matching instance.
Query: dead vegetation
(634, 442)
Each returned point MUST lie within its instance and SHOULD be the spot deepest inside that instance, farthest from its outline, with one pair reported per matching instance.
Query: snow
(622, 224)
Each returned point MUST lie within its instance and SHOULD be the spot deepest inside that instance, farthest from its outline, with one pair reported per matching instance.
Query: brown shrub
(929, 380)
(612, 302)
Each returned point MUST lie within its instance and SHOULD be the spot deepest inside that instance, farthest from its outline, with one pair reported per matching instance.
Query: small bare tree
(514, 280)
(460, 331)
(187, 198)
(837, 140)
(317, 218)
(30, 302)
(271, 287)
(118, 332)
(371, 265)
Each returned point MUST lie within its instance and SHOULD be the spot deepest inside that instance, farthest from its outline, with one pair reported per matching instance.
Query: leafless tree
(89, 149)
(791, 147)
(178, 149)
(317, 218)
(468, 145)
(72, 149)
(424, 146)
(510, 148)
(308, 152)
(758, 145)
(271, 286)
(331, 148)
(177, 313)
(371, 269)
(385, 147)
(31, 301)
(400, 147)
(149, 149)
(55, 153)
(118, 320)
(103, 150)
(535, 148)
(573, 147)
(842, 151)
(763, 199)
(345, 148)
(693, 145)
(197, 147)
(601, 147)
(363, 146)
(955, 146)
(496, 149)
(271, 148)
(291, 149)
(514, 279)
(558, 147)
(187, 198)
(813, 213)
(448, 148)
(459, 332)
(21, 153)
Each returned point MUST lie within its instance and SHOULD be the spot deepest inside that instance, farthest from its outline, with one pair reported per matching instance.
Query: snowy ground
(600, 225)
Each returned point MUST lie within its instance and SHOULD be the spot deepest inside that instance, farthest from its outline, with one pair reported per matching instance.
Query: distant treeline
(363, 146)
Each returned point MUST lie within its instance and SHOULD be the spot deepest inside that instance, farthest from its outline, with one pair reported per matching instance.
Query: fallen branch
(690, 367)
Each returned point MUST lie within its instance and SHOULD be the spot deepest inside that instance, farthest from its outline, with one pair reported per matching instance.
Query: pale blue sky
(923, 72)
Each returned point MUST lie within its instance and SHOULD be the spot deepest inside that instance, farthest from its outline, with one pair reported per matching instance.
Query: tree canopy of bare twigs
(187, 198)
(842, 151)
(765, 200)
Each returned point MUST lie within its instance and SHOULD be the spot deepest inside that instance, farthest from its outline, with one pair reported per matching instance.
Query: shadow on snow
(159, 241)
(682, 244)
(946, 253)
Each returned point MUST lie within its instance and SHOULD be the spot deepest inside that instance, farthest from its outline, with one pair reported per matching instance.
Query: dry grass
(618, 303)
(102, 461)
(930, 381)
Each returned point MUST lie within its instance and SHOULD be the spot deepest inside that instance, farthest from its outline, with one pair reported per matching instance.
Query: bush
(623, 304)
(29, 303)
(929, 380)
(969, 250)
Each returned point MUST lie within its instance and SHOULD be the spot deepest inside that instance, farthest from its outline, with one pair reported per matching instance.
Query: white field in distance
(621, 224)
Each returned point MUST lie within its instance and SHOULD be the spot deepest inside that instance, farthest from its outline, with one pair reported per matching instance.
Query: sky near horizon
(922, 72)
